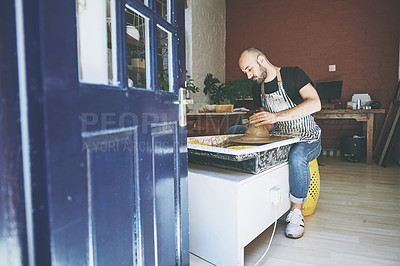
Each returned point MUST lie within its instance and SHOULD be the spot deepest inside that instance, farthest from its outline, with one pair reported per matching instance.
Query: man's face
(249, 64)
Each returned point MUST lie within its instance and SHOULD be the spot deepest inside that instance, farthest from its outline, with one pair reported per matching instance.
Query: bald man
(286, 98)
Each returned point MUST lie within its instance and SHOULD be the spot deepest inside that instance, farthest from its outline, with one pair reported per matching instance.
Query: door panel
(166, 179)
(112, 179)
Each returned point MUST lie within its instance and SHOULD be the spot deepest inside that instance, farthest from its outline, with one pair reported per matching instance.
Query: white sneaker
(295, 226)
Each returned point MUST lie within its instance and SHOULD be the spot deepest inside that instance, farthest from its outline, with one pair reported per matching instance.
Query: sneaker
(295, 226)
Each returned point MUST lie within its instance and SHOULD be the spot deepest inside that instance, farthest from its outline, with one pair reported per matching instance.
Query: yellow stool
(313, 191)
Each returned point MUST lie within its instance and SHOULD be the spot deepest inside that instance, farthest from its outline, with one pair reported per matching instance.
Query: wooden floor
(356, 222)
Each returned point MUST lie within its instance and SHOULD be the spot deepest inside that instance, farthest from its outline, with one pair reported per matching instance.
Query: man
(286, 99)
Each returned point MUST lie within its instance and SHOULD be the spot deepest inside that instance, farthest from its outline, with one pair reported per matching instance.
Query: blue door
(109, 186)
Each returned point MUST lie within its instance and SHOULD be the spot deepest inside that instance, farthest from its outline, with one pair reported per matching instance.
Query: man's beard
(263, 75)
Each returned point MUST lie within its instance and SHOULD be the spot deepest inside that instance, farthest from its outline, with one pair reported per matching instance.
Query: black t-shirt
(293, 78)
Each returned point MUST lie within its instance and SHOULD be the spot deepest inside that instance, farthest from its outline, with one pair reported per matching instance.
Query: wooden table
(207, 124)
(360, 116)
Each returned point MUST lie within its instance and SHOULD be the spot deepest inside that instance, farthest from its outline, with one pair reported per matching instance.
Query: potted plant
(190, 86)
(239, 89)
(221, 92)
(215, 89)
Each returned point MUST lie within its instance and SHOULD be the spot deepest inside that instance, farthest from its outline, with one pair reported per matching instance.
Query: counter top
(216, 114)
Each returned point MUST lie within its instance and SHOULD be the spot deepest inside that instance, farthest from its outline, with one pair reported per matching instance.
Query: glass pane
(136, 48)
(164, 60)
(111, 43)
(96, 41)
(163, 9)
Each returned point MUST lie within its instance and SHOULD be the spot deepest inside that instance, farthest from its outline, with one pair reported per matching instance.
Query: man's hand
(263, 118)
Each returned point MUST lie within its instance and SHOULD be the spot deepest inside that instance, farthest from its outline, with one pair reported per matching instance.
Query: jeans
(299, 178)
(237, 129)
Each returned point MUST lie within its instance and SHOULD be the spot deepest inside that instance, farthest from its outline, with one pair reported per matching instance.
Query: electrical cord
(272, 236)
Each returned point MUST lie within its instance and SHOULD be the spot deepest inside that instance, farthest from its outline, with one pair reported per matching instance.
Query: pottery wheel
(257, 135)
(271, 139)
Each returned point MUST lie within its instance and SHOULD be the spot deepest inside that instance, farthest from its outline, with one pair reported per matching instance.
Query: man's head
(254, 64)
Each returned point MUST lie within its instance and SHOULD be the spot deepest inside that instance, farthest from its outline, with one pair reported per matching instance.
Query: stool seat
(313, 190)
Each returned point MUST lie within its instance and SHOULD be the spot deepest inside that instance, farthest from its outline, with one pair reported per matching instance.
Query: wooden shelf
(208, 124)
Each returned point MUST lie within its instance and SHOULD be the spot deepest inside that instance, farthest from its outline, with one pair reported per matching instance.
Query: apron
(305, 128)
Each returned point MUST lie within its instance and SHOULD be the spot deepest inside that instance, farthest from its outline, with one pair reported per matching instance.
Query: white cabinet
(227, 209)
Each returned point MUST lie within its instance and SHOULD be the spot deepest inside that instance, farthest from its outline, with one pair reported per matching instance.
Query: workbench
(207, 124)
(360, 116)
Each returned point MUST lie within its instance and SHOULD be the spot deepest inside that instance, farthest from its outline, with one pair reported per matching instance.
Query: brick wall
(361, 37)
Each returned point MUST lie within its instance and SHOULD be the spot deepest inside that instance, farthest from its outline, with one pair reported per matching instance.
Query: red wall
(361, 37)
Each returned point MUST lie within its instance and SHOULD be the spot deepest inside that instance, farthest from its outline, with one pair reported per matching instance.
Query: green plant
(190, 85)
(163, 82)
(220, 92)
(214, 88)
(239, 89)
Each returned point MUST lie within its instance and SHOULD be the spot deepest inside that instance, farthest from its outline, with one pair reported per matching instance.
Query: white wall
(205, 44)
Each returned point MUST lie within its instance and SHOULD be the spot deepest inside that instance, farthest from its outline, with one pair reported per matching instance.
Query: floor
(356, 222)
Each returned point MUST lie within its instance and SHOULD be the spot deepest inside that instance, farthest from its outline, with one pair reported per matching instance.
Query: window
(163, 9)
(137, 51)
(164, 66)
(96, 42)
(100, 62)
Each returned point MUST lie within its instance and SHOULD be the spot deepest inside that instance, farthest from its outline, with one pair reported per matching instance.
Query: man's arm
(310, 105)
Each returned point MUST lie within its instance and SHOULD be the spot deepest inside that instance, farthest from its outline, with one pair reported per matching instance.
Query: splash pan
(246, 158)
